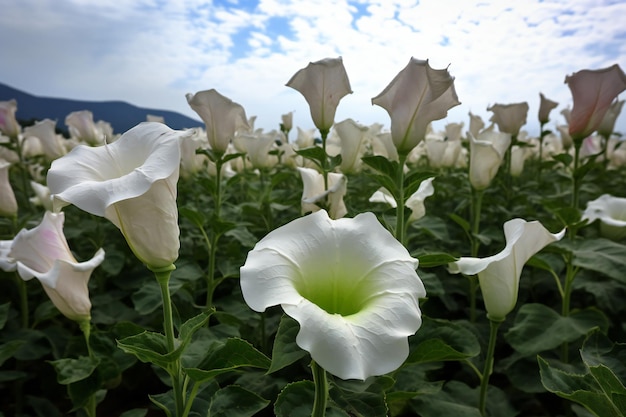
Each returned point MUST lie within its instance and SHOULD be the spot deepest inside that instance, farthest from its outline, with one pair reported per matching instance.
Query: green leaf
(195, 217)
(7, 350)
(226, 356)
(295, 400)
(564, 158)
(235, 401)
(538, 328)
(430, 260)
(285, 350)
(150, 347)
(603, 400)
(192, 325)
(313, 153)
(381, 164)
(434, 226)
(71, 370)
(460, 221)
(361, 398)
(601, 255)
(442, 340)
(386, 183)
(148, 298)
(413, 180)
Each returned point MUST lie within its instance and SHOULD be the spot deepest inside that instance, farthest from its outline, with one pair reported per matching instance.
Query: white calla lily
(132, 182)
(499, 274)
(611, 212)
(43, 253)
(349, 283)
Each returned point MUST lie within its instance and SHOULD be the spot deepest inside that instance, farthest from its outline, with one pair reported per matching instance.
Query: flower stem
(400, 230)
(477, 199)
(488, 369)
(85, 327)
(575, 179)
(324, 135)
(163, 278)
(321, 390)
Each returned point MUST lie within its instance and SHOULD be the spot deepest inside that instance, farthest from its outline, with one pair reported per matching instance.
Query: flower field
(345, 270)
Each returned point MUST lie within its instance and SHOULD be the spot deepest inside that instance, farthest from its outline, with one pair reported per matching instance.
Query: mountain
(120, 114)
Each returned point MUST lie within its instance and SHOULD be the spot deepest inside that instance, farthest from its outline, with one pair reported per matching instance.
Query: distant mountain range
(120, 114)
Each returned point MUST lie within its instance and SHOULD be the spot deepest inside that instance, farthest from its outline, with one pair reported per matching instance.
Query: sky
(151, 53)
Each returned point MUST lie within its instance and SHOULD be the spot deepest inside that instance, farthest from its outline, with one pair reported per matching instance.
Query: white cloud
(151, 53)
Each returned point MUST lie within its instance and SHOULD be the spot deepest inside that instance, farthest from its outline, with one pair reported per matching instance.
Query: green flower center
(336, 293)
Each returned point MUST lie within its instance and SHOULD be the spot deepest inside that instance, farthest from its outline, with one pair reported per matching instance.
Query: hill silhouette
(121, 115)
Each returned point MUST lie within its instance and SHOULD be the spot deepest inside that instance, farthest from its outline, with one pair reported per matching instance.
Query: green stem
(400, 228)
(163, 278)
(324, 135)
(214, 236)
(575, 180)
(321, 390)
(476, 208)
(542, 135)
(488, 369)
(85, 327)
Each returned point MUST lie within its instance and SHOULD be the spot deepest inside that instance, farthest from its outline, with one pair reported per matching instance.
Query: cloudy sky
(152, 52)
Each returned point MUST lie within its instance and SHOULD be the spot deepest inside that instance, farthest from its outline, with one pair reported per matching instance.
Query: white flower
(499, 274)
(132, 182)
(349, 283)
(611, 211)
(486, 155)
(43, 253)
(8, 203)
(415, 202)
(313, 192)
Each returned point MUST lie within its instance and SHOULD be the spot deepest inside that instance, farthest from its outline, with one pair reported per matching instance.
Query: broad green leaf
(430, 260)
(148, 298)
(442, 340)
(226, 356)
(601, 255)
(8, 349)
(460, 221)
(313, 153)
(361, 398)
(382, 165)
(538, 328)
(150, 347)
(585, 390)
(295, 400)
(385, 182)
(81, 391)
(71, 370)
(434, 226)
(599, 350)
(285, 350)
(235, 401)
(450, 401)
(192, 325)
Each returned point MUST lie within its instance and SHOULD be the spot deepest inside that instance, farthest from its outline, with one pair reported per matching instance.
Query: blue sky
(152, 52)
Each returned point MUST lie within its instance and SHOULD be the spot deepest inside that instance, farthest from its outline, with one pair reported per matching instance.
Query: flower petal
(93, 179)
(349, 283)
